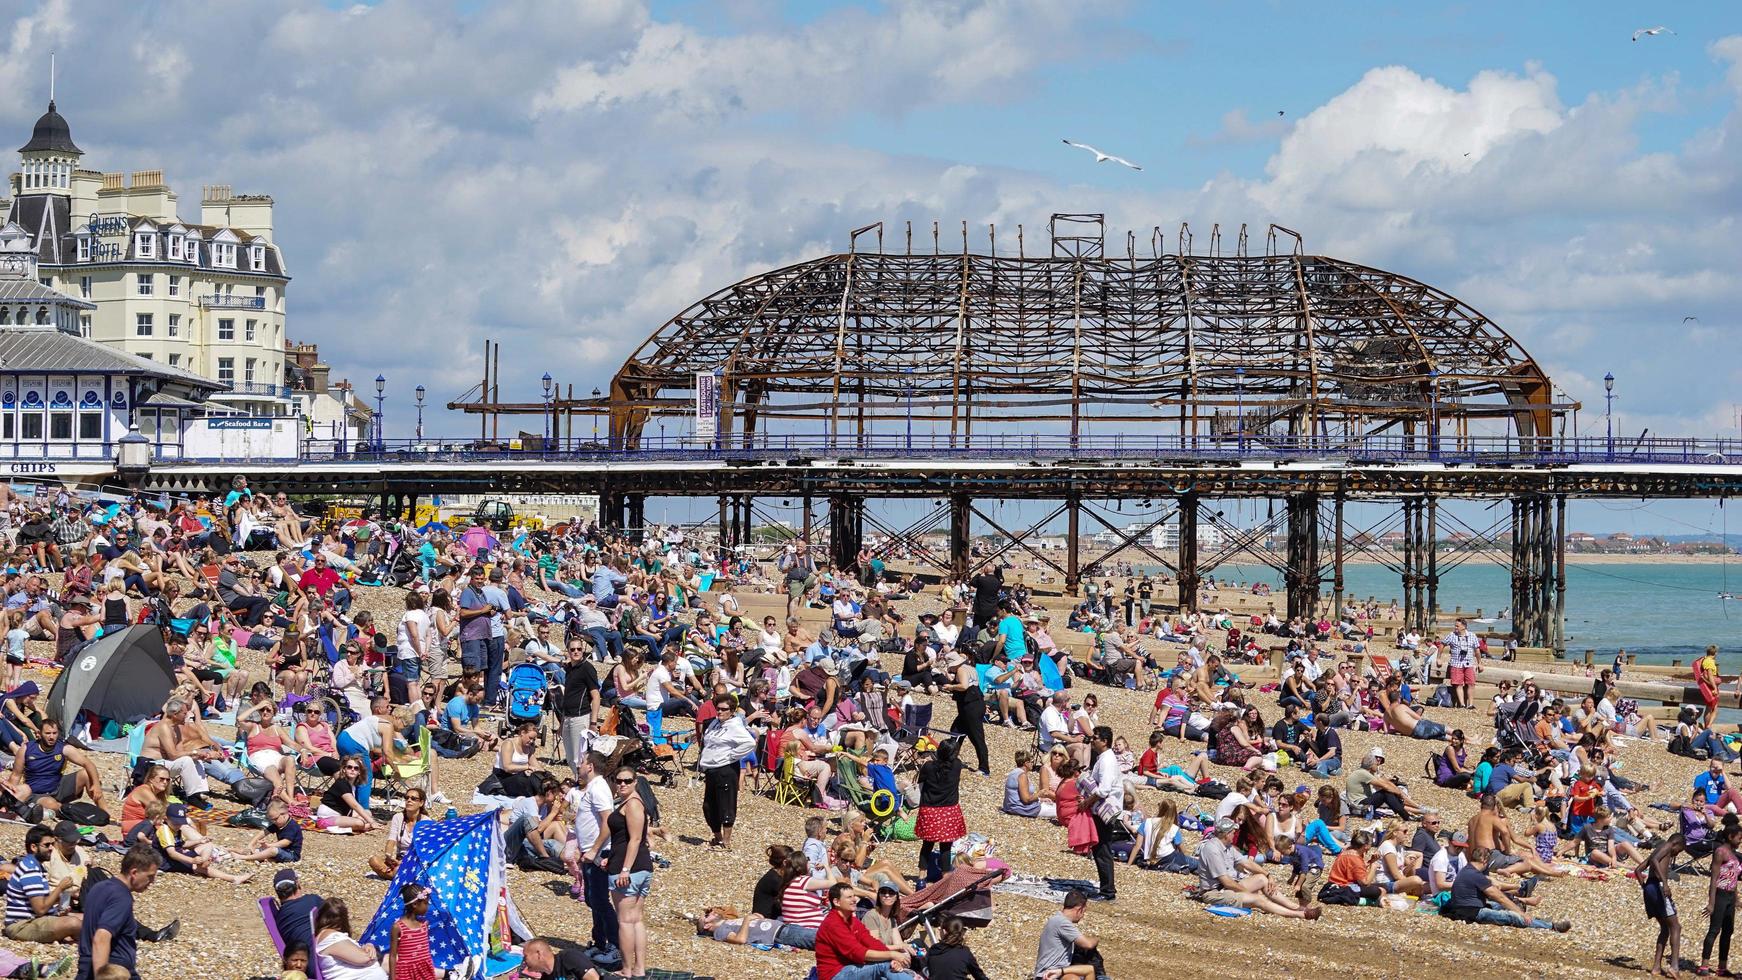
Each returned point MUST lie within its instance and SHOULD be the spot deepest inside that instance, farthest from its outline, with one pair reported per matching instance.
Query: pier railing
(1393, 449)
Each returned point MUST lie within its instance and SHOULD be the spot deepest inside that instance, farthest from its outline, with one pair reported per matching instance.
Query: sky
(565, 176)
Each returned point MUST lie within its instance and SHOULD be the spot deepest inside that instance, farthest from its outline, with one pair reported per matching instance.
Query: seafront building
(205, 296)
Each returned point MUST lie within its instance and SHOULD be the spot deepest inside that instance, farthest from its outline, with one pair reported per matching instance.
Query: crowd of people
(642, 652)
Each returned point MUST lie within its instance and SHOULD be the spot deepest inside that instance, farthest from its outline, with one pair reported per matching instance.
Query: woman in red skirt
(940, 823)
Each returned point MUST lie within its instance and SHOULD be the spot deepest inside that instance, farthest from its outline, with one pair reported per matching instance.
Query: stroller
(528, 693)
(1514, 728)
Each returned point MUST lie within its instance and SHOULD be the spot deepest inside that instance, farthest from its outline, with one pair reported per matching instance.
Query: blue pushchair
(528, 695)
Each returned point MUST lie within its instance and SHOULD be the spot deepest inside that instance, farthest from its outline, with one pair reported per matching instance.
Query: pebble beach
(1152, 930)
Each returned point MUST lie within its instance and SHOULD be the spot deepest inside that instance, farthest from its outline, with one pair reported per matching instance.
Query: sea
(1659, 611)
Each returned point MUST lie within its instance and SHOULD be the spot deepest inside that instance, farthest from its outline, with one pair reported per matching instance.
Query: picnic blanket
(1044, 888)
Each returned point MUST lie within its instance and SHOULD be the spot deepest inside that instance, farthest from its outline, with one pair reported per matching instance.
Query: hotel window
(260, 294)
(227, 370)
(145, 245)
(85, 325)
(147, 284)
(175, 360)
(175, 324)
(248, 371)
(248, 331)
(142, 324)
(175, 285)
(85, 286)
(84, 249)
(175, 247)
(224, 255)
(226, 329)
(90, 425)
(257, 258)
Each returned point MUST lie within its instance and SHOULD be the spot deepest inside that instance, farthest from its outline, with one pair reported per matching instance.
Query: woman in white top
(770, 640)
(341, 958)
(947, 630)
(414, 628)
(1395, 869)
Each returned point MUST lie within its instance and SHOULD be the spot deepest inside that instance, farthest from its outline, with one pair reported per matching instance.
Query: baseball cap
(285, 881)
(67, 832)
(1225, 824)
(496, 574)
(177, 813)
(1461, 838)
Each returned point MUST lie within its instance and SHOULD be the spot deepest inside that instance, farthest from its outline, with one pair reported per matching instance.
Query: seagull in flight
(1102, 157)
(1692, 319)
(1650, 32)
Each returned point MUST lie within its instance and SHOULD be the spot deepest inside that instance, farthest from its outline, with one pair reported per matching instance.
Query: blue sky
(564, 175)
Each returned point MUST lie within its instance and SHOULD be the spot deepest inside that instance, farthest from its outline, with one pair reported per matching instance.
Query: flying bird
(1102, 157)
(1692, 319)
(1282, 112)
(1650, 32)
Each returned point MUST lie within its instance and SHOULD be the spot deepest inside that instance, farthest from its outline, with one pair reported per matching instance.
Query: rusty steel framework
(1205, 350)
(1201, 346)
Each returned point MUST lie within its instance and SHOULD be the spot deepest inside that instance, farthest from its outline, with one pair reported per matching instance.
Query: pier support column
(960, 533)
(635, 515)
(1303, 555)
(725, 521)
(1430, 542)
(1538, 576)
(610, 513)
(805, 532)
(1073, 509)
(1560, 575)
(846, 529)
(1337, 562)
(1188, 552)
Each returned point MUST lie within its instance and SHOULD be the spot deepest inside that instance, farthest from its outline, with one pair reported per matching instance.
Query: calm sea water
(1659, 611)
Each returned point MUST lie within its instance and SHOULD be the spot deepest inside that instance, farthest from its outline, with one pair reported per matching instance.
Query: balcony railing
(224, 301)
(256, 388)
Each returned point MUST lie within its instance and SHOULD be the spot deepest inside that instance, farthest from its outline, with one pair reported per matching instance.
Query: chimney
(318, 374)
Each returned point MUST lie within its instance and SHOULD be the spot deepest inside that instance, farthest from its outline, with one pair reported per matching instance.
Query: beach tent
(478, 539)
(432, 527)
(461, 861)
(124, 675)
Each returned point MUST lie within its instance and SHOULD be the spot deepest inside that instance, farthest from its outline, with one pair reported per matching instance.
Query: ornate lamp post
(547, 412)
(1609, 412)
(380, 397)
(419, 392)
(596, 394)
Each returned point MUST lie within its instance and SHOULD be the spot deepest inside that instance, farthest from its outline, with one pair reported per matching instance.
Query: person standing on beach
(1462, 663)
(1707, 677)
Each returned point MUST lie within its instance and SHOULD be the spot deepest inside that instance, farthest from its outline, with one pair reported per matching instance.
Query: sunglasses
(624, 782)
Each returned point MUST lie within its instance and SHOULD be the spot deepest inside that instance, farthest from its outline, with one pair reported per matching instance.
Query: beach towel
(1043, 888)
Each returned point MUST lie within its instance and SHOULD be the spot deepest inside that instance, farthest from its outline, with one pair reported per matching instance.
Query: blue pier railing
(1387, 449)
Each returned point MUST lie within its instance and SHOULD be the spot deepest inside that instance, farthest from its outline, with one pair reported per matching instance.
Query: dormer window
(191, 249)
(257, 257)
(224, 255)
(175, 248)
(84, 248)
(145, 245)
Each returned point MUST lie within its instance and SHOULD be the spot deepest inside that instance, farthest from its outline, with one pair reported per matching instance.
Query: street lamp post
(380, 397)
(1240, 408)
(419, 392)
(907, 383)
(1609, 412)
(547, 411)
(595, 418)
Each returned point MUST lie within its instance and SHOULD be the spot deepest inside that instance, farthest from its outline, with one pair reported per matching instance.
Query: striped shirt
(802, 907)
(27, 882)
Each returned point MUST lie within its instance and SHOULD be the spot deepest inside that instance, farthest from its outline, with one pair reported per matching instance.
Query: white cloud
(567, 175)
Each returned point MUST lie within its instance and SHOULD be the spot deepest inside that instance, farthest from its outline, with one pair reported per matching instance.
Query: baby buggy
(528, 695)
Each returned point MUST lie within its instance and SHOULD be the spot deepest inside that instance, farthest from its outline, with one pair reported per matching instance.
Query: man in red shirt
(846, 950)
(322, 580)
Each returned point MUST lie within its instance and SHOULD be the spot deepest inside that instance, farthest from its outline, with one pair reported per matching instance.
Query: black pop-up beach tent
(124, 675)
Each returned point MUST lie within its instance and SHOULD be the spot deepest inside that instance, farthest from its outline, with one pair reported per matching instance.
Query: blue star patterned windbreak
(459, 861)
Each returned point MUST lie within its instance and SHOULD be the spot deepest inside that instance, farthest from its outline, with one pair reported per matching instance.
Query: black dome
(51, 133)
